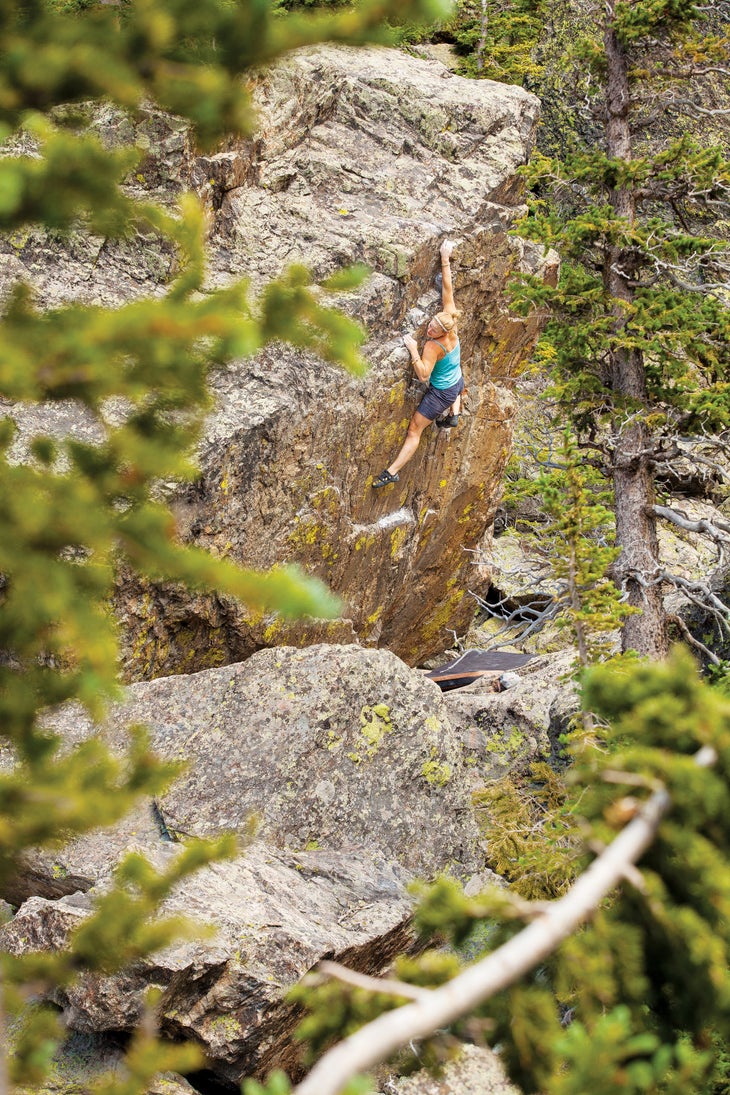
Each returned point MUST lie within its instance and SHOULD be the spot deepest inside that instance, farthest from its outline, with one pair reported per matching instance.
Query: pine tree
(568, 542)
(498, 39)
(639, 325)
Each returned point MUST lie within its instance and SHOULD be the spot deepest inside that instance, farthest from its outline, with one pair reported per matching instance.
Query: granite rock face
(362, 155)
(504, 732)
(366, 156)
(359, 783)
(276, 914)
(332, 747)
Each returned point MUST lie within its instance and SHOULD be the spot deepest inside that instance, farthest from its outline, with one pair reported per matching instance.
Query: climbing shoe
(385, 478)
(448, 423)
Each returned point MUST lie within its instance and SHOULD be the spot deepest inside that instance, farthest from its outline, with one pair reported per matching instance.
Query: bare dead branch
(386, 985)
(695, 106)
(700, 594)
(691, 455)
(718, 530)
(701, 287)
(630, 779)
(689, 638)
(635, 878)
(524, 619)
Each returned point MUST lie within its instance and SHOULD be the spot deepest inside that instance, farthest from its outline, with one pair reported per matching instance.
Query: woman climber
(440, 365)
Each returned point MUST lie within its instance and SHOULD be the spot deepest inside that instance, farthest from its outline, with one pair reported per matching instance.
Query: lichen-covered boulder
(348, 759)
(504, 732)
(276, 913)
(333, 746)
(475, 1071)
(78, 865)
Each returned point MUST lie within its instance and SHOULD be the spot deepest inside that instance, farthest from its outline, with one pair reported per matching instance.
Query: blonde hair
(446, 320)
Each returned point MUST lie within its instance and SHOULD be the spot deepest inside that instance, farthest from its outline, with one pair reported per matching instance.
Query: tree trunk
(638, 563)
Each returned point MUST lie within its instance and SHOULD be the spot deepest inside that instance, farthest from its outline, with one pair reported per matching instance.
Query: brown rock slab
(366, 155)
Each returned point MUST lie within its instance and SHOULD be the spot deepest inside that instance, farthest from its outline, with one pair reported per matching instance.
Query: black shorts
(437, 400)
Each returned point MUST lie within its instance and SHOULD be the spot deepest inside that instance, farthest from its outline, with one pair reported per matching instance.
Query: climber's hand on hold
(446, 249)
(411, 345)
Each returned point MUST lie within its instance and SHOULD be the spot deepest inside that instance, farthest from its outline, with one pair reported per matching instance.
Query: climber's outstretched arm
(447, 290)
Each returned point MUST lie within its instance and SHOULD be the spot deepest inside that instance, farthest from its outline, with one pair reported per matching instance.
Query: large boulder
(347, 758)
(503, 733)
(276, 913)
(368, 155)
(359, 782)
(364, 155)
(332, 747)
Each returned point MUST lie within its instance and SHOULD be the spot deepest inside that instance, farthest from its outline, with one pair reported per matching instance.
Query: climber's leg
(416, 427)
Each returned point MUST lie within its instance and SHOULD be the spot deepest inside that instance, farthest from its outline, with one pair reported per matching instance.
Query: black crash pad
(473, 664)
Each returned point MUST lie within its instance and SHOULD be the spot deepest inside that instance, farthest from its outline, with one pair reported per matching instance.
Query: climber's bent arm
(423, 364)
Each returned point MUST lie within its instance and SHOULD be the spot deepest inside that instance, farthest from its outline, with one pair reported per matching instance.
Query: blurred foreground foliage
(72, 510)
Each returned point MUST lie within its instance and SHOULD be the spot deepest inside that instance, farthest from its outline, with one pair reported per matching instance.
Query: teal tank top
(447, 369)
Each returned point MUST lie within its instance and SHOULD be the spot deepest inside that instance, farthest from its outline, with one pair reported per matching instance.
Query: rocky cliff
(370, 156)
(362, 155)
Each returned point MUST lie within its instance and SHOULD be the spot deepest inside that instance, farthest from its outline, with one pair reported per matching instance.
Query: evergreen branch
(382, 1037)
(665, 269)
(708, 256)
